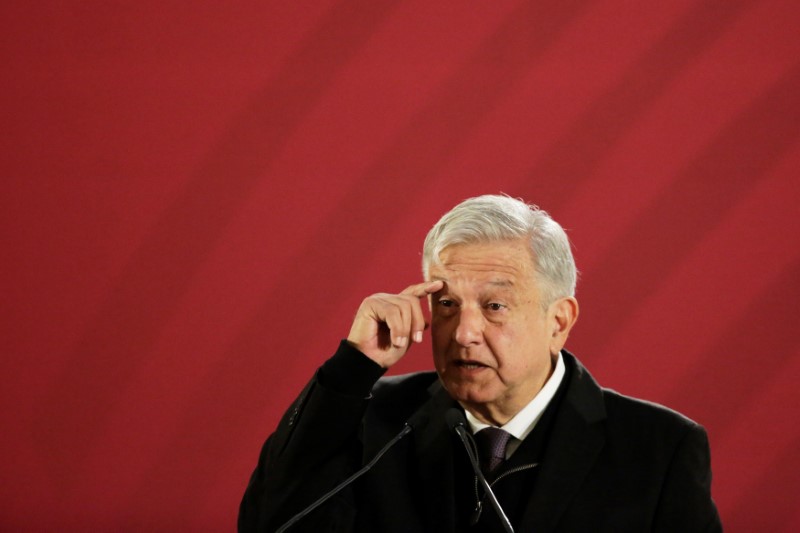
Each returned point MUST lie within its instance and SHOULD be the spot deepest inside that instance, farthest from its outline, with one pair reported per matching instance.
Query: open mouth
(469, 365)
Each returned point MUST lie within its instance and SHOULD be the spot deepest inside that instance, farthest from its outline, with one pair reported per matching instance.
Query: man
(500, 284)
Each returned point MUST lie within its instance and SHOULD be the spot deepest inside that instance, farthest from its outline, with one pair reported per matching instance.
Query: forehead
(502, 262)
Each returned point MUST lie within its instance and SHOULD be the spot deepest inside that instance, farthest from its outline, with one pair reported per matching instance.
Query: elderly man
(560, 452)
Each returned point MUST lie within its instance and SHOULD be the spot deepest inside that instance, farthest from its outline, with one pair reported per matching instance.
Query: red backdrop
(196, 197)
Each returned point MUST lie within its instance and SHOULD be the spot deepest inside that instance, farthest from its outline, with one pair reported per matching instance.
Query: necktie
(492, 444)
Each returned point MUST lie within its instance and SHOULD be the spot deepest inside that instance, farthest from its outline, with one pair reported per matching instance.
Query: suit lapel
(573, 446)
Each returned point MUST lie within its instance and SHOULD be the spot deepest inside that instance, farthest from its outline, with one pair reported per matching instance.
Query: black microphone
(456, 422)
(335, 490)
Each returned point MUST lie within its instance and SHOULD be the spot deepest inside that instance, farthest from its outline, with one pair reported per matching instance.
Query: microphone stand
(328, 495)
(455, 419)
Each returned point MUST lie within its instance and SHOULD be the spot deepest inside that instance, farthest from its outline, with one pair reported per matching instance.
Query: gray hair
(492, 218)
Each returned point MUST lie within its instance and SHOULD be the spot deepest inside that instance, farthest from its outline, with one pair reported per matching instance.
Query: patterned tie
(492, 444)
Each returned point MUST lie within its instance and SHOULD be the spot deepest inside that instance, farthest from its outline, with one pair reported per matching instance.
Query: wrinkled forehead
(502, 264)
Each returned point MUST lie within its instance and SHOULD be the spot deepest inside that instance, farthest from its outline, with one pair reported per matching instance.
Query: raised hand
(386, 324)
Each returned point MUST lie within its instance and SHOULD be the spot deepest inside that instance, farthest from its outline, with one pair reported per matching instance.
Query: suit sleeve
(685, 503)
(315, 446)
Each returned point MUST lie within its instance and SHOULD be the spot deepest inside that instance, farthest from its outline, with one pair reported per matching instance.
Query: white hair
(492, 218)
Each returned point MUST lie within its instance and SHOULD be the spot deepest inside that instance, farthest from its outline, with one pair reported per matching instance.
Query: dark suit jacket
(609, 463)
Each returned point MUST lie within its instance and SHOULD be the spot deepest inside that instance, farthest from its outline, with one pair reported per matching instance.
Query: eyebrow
(504, 283)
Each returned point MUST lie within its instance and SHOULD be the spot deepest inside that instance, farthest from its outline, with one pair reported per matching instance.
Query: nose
(470, 327)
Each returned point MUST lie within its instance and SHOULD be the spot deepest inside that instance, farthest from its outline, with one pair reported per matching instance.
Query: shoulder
(646, 420)
(405, 386)
(626, 416)
(651, 434)
(394, 401)
(637, 409)
(399, 396)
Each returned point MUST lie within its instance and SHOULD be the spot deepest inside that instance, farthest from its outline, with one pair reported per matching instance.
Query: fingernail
(417, 336)
(401, 341)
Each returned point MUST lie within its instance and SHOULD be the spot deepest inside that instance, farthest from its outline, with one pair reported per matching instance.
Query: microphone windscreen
(454, 418)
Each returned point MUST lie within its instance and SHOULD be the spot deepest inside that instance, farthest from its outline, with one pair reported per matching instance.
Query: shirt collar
(523, 422)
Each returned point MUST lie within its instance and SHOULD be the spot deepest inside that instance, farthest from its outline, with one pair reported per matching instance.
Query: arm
(685, 503)
(317, 444)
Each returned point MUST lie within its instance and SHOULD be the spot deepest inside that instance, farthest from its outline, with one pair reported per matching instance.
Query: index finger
(423, 289)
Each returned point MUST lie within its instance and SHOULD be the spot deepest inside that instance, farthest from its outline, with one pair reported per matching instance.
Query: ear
(563, 314)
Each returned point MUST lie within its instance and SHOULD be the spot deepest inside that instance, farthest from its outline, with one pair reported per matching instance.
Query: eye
(446, 307)
(494, 306)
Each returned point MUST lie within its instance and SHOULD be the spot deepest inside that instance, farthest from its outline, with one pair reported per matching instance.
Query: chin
(468, 393)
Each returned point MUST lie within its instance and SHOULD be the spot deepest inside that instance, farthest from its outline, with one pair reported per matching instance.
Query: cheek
(501, 339)
(514, 349)
(440, 331)
(438, 343)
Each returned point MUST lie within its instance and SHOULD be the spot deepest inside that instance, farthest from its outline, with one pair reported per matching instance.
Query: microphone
(335, 490)
(456, 422)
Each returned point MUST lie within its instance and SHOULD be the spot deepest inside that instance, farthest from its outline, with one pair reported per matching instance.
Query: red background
(196, 197)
